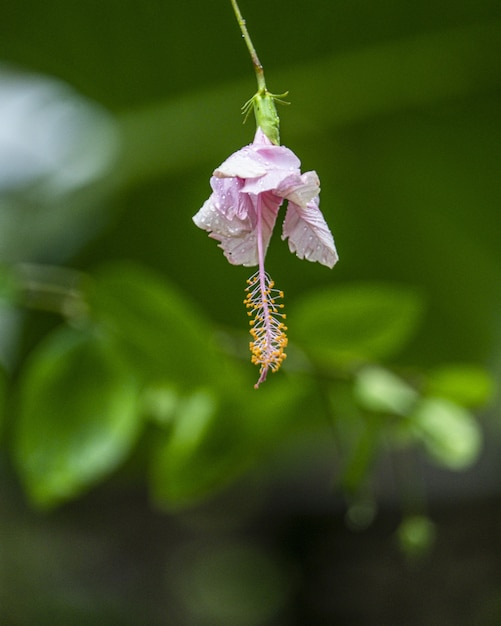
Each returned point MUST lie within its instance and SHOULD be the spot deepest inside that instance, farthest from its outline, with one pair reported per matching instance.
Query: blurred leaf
(175, 475)
(355, 322)
(416, 535)
(214, 439)
(9, 284)
(160, 403)
(165, 338)
(78, 415)
(206, 450)
(377, 389)
(450, 434)
(467, 385)
(361, 455)
(358, 436)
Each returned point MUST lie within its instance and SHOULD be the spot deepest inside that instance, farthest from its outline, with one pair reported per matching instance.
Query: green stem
(53, 289)
(258, 68)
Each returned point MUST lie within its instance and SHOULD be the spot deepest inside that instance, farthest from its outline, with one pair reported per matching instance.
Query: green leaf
(450, 433)
(202, 452)
(467, 385)
(77, 415)
(355, 322)
(215, 438)
(377, 389)
(161, 332)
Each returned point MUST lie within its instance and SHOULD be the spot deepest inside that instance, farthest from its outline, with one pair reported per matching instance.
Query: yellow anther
(266, 328)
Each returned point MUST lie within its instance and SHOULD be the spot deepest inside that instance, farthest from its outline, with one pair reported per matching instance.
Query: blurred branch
(343, 89)
(50, 288)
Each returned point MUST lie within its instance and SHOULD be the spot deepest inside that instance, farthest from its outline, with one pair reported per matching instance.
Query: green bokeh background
(396, 105)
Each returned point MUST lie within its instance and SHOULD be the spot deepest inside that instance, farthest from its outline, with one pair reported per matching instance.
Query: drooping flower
(248, 190)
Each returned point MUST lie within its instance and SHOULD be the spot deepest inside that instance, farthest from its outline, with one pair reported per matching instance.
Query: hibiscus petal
(244, 163)
(309, 236)
(242, 248)
(277, 157)
(270, 204)
(257, 159)
(271, 181)
(239, 250)
(261, 138)
(300, 190)
(228, 199)
(237, 237)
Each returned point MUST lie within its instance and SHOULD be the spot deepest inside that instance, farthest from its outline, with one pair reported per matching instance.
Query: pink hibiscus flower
(247, 192)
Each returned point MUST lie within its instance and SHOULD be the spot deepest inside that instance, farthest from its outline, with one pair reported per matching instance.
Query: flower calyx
(265, 111)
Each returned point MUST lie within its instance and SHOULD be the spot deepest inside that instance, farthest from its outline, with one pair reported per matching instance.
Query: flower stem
(258, 68)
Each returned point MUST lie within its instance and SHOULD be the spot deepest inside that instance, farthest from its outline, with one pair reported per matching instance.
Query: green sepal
(263, 103)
